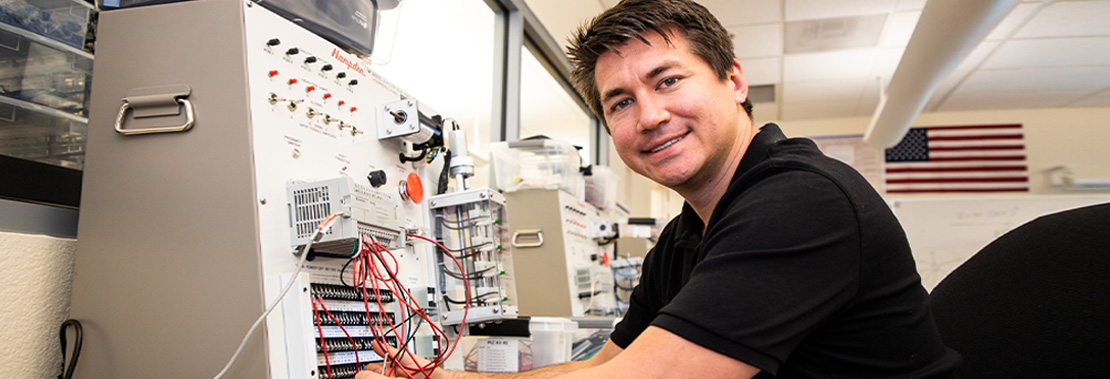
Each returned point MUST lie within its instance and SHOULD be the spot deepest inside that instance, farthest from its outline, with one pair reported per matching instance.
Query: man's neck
(704, 196)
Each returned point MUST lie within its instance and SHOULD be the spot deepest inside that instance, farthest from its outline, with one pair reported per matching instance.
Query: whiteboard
(946, 231)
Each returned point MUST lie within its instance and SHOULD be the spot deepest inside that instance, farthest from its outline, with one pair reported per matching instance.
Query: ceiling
(1043, 54)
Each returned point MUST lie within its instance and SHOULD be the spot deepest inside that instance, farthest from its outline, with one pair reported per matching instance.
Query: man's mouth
(668, 144)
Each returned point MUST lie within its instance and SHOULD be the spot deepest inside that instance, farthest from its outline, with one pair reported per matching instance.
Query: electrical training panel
(290, 134)
(559, 255)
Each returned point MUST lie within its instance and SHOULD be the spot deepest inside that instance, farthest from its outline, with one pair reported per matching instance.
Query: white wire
(292, 280)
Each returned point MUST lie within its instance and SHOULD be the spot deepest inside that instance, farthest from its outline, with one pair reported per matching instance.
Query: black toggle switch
(353, 82)
(326, 67)
(341, 75)
(310, 60)
(377, 178)
(292, 51)
(273, 42)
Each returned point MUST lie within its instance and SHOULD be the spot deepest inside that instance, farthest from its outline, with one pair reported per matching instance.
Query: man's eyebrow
(663, 67)
(612, 93)
(651, 74)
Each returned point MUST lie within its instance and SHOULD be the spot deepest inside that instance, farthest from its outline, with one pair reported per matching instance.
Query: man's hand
(399, 364)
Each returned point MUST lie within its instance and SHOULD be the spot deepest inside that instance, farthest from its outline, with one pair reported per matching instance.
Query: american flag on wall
(979, 158)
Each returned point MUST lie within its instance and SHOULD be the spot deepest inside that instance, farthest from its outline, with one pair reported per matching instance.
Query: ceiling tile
(761, 40)
(910, 5)
(741, 12)
(817, 9)
(857, 63)
(830, 109)
(977, 55)
(869, 99)
(762, 70)
(943, 89)
(886, 61)
(899, 27)
(1012, 21)
(824, 91)
(1032, 81)
(1070, 18)
(1100, 99)
(1051, 52)
(1026, 88)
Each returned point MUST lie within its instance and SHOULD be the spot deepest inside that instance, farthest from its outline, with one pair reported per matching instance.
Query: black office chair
(1035, 303)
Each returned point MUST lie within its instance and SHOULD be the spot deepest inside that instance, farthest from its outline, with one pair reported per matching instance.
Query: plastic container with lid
(601, 187)
(551, 340)
(538, 163)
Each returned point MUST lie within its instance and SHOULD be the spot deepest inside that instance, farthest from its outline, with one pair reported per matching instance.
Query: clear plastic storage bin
(601, 187)
(65, 21)
(541, 163)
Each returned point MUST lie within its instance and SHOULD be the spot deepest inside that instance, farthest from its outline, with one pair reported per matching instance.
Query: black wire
(472, 276)
(442, 185)
(67, 372)
(419, 322)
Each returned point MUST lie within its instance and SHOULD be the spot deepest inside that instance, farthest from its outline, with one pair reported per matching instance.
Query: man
(783, 262)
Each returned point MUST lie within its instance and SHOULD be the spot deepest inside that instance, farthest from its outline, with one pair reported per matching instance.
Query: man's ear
(736, 76)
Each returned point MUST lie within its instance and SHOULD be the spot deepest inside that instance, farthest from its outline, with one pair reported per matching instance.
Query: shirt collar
(689, 228)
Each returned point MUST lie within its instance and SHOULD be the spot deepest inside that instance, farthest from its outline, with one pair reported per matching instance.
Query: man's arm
(658, 353)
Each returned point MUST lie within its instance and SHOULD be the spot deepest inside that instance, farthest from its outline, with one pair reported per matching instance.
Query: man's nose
(653, 112)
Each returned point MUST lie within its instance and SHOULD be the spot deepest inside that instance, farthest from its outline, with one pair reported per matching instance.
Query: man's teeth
(668, 144)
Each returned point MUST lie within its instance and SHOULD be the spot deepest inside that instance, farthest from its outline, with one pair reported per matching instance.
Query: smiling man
(783, 263)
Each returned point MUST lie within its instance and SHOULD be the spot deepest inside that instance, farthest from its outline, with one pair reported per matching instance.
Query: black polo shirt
(803, 272)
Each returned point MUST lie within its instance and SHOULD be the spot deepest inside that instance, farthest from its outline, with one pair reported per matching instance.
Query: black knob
(292, 51)
(353, 82)
(273, 42)
(326, 67)
(341, 75)
(377, 178)
(310, 60)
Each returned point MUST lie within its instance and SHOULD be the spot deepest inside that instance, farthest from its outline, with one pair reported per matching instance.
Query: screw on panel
(262, 200)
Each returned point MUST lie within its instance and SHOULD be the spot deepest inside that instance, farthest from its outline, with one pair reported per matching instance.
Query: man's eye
(621, 104)
(668, 82)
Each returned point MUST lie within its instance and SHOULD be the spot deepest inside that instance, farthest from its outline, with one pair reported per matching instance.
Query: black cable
(442, 185)
(67, 372)
(405, 159)
(472, 276)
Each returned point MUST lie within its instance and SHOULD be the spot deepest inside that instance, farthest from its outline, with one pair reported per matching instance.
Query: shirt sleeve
(782, 258)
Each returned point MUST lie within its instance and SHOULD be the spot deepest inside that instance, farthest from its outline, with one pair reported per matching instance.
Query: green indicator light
(498, 247)
(502, 273)
(506, 298)
(495, 222)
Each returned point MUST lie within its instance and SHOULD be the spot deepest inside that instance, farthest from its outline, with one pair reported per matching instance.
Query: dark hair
(708, 39)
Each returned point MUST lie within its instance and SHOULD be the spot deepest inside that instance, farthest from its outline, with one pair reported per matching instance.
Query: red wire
(323, 346)
(353, 344)
(466, 304)
(397, 296)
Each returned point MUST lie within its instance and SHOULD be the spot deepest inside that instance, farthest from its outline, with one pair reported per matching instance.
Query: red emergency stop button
(292, 81)
(412, 189)
(273, 73)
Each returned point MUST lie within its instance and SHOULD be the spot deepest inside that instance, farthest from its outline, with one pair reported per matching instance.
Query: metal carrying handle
(189, 118)
(528, 232)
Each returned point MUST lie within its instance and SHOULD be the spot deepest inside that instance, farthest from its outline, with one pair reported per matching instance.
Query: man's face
(670, 117)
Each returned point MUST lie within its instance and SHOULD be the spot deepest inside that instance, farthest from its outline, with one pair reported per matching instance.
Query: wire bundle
(374, 272)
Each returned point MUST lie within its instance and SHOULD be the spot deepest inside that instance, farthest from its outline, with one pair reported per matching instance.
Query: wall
(1074, 137)
(35, 281)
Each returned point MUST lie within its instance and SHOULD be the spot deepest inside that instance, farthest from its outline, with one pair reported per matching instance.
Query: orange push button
(412, 189)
